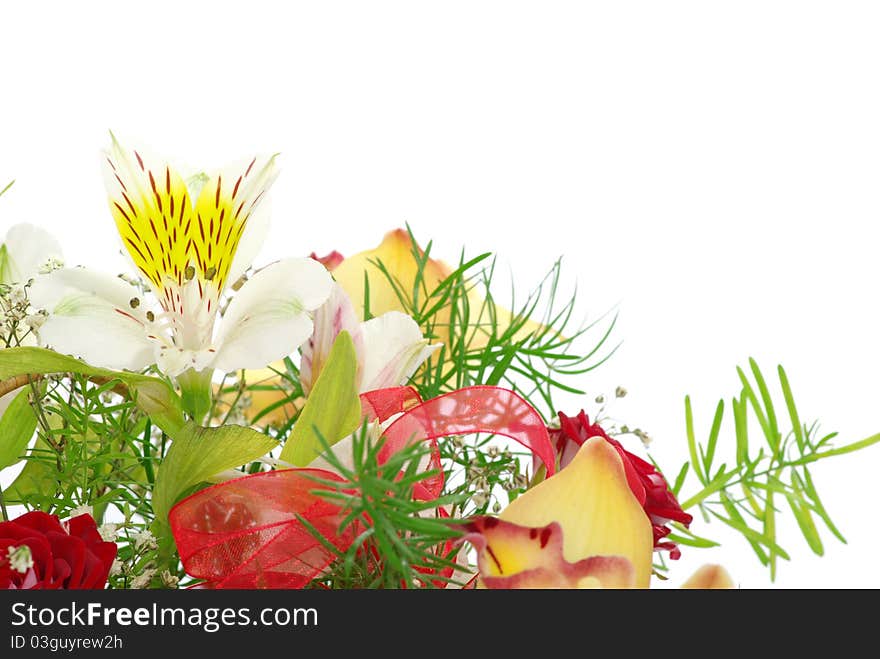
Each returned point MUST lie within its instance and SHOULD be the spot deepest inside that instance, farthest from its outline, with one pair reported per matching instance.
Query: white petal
(394, 349)
(91, 316)
(252, 194)
(268, 317)
(332, 317)
(28, 248)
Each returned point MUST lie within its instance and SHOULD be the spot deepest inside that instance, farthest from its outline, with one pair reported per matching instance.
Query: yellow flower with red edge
(584, 527)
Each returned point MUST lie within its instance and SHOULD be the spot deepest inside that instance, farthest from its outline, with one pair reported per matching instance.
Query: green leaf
(804, 518)
(748, 393)
(5, 271)
(692, 540)
(16, 429)
(810, 489)
(841, 450)
(692, 439)
(740, 420)
(333, 408)
(770, 532)
(38, 479)
(198, 453)
(8, 185)
(154, 396)
(679, 480)
(792, 410)
(713, 436)
(773, 436)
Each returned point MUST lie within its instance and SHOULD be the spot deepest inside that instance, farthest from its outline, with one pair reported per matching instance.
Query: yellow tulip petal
(592, 502)
(396, 254)
(709, 576)
(513, 556)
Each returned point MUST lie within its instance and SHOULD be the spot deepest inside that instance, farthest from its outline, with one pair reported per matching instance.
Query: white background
(709, 168)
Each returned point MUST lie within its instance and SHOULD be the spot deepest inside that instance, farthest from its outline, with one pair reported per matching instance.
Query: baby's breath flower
(52, 263)
(169, 580)
(20, 558)
(35, 320)
(81, 510)
(108, 532)
(643, 436)
(143, 579)
(144, 540)
(17, 295)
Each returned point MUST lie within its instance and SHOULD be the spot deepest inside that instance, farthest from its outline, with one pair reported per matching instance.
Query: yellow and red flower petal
(709, 576)
(396, 254)
(592, 502)
(647, 484)
(514, 556)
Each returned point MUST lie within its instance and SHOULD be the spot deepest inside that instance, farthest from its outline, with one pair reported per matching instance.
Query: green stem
(719, 482)
(196, 393)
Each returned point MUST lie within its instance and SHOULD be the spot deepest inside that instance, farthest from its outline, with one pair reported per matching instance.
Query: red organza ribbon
(382, 404)
(248, 533)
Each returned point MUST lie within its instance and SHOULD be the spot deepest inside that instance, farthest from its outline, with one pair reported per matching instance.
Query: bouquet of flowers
(376, 420)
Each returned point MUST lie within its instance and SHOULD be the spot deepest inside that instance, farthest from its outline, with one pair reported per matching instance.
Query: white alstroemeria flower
(191, 241)
(389, 347)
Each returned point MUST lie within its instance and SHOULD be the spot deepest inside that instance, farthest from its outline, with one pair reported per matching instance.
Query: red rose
(647, 484)
(38, 552)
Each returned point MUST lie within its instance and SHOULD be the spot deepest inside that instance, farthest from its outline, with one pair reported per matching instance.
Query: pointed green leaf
(198, 453)
(679, 480)
(804, 518)
(692, 440)
(770, 532)
(38, 479)
(333, 408)
(692, 540)
(772, 428)
(713, 436)
(740, 420)
(737, 522)
(5, 270)
(17, 426)
(810, 489)
(748, 393)
(792, 410)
